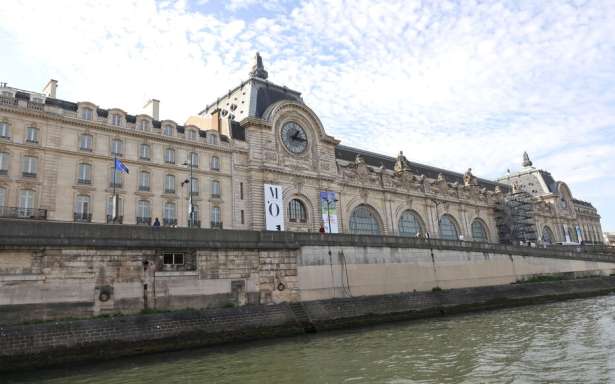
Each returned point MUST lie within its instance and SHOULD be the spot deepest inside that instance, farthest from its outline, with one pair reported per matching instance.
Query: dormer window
(212, 139)
(167, 130)
(191, 134)
(87, 114)
(116, 119)
(143, 125)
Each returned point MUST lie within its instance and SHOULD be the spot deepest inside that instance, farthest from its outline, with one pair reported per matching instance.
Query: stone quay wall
(54, 270)
(62, 342)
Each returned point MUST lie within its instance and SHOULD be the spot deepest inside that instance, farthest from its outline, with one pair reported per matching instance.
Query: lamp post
(189, 182)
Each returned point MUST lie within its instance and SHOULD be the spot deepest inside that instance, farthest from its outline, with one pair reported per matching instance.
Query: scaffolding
(515, 219)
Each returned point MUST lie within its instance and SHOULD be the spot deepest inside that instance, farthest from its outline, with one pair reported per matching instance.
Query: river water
(565, 342)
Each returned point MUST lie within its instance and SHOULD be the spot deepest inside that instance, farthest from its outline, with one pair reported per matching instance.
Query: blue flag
(120, 166)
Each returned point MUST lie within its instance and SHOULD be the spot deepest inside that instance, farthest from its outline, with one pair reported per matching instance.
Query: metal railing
(144, 220)
(8, 100)
(171, 191)
(143, 188)
(23, 213)
(216, 225)
(36, 106)
(29, 174)
(82, 217)
(118, 219)
(169, 222)
(84, 181)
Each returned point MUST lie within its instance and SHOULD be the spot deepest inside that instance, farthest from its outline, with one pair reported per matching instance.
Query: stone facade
(59, 155)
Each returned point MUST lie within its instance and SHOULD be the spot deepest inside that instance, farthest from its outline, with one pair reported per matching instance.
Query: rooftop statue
(258, 69)
(469, 179)
(526, 160)
(402, 164)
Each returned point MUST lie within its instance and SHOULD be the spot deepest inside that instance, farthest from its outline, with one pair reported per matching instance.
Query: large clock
(294, 137)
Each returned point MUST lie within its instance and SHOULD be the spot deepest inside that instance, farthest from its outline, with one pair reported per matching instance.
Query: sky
(454, 84)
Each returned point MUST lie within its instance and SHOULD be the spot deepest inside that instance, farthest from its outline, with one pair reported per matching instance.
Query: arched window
(479, 231)
(167, 130)
(191, 134)
(547, 235)
(215, 163)
(448, 228)
(364, 220)
(169, 156)
(410, 224)
(297, 212)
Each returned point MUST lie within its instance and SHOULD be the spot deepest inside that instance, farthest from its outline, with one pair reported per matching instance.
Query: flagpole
(113, 198)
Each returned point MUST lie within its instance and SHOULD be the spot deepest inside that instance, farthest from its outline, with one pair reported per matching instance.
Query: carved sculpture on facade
(258, 69)
(469, 178)
(401, 164)
(526, 160)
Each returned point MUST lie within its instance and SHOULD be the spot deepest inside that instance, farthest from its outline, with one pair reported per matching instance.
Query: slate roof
(343, 152)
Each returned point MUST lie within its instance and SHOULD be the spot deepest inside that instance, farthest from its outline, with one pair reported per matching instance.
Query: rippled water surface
(566, 342)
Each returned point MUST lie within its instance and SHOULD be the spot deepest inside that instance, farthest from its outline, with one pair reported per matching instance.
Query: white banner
(274, 208)
(328, 209)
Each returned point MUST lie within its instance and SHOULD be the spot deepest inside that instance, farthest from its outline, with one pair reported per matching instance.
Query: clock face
(294, 138)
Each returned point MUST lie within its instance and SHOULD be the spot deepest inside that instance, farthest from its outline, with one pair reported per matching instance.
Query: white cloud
(453, 84)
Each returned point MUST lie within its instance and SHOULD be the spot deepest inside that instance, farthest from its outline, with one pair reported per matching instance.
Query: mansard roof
(343, 152)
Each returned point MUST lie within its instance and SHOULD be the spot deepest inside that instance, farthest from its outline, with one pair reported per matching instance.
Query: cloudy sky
(454, 84)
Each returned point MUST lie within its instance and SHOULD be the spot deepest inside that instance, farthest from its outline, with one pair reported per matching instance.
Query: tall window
(191, 134)
(144, 152)
(4, 163)
(29, 166)
(410, 224)
(85, 173)
(169, 184)
(195, 216)
(117, 147)
(193, 158)
(116, 119)
(296, 211)
(364, 220)
(215, 189)
(144, 181)
(215, 163)
(448, 229)
(216, 218)
(241, 191)
(547, 235)
(26, 202)
(120, 210)
(2, 197)
(4, 130)
(169, 214)
(169, 156)
(85, 142)
(479, 231)
(82, 208)
(212, 139)
(87, 113)
(144, 212)
(116, 180)
(194, 186)
(167, 130)
(32, 135)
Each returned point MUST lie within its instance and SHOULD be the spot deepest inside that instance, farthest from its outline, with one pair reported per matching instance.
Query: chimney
(215, 120)
(50, 88)
(152, 108)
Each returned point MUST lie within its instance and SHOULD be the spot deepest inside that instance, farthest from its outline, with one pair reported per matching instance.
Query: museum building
(256, 158)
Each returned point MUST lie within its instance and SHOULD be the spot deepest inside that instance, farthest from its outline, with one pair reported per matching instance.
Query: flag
(120, 166)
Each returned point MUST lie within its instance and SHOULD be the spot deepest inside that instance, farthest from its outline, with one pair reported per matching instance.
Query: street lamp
(189, 182)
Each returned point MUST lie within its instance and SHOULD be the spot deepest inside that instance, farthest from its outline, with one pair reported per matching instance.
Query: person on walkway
(156, 223)
(322, 229)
